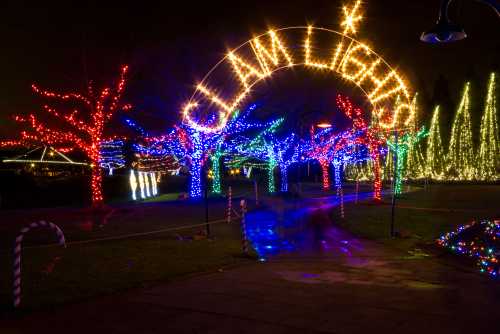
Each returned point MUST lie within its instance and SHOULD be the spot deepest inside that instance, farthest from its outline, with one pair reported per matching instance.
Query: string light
(154, 183)
(434, 157)
(86, 135)
(415, 164)
(112, 156)
(351, 16)
(225, 141)
(263, 55)
(197, 146)
(275, 152)
(32, 158)
(489, 148)
(479, 241)
(400, 149)
(139, 129)
(133, 184)
(268, 53)
(370, 138)
(146, 183)
(460, 158)
(141, 184)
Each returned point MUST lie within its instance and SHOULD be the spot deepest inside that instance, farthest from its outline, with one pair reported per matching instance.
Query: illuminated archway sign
(229, 83)
(231, 80)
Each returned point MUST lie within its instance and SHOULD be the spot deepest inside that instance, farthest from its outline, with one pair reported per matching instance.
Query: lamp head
(444, 31)
(324, 125)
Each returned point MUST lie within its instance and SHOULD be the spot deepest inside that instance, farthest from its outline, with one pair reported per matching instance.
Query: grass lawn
(423, 214)
(53, 275)
(163, 198)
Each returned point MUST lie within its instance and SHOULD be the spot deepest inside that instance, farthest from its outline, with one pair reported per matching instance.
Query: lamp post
(395, 163)
(207, 225)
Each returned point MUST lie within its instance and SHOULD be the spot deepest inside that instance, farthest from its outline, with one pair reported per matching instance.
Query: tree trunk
(377, 182)
(284, 178)
(270, 173)
(195, 179)
(96, 185)
(338, 181)
(216, 186)
(326, 174)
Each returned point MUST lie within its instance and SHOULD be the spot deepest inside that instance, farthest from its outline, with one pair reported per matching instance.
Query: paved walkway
(335, 284)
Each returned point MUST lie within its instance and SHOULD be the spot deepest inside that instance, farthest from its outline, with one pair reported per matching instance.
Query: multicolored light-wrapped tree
(227, 139)
(489, 147)
(371, 139)
(151, 159)
(460, 158)
(400, 148)
(84, 132)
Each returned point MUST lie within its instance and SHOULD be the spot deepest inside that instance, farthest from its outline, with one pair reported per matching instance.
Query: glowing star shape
(351, 17)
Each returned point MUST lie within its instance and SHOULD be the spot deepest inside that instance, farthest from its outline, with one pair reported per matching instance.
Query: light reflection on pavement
(305, 230)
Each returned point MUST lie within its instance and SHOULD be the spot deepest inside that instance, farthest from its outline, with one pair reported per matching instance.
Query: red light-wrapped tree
(81, 125)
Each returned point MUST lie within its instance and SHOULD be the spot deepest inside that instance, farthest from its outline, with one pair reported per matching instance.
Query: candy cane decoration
(244, 240)
(17, 254)
(229, 204)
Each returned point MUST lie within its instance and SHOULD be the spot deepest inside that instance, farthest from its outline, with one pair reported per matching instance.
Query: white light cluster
(147, 183)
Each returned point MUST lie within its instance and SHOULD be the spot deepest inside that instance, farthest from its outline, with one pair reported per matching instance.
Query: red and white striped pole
(17, 254)
(244, 240)
(229, 204)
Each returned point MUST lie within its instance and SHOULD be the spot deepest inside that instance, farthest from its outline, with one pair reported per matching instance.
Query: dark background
(170, 45)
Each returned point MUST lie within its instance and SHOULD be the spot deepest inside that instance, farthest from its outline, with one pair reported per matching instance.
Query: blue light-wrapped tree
(112, 156)
(197, 146)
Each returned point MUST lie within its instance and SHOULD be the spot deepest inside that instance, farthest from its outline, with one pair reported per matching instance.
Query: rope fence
(132, 235)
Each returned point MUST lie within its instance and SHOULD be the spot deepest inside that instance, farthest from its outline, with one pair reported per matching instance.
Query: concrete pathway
(336, 284)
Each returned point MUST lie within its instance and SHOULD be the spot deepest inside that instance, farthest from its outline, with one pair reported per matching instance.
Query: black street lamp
(445, 31)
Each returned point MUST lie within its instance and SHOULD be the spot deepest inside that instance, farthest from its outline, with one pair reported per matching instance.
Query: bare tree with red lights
(80, 126)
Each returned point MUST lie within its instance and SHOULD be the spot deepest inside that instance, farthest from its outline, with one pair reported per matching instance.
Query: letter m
(270, 58)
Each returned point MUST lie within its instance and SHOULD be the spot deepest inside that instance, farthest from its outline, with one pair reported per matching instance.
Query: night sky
(170, 45)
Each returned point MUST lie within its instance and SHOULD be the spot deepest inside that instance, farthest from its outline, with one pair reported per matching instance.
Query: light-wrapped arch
(231, 80)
